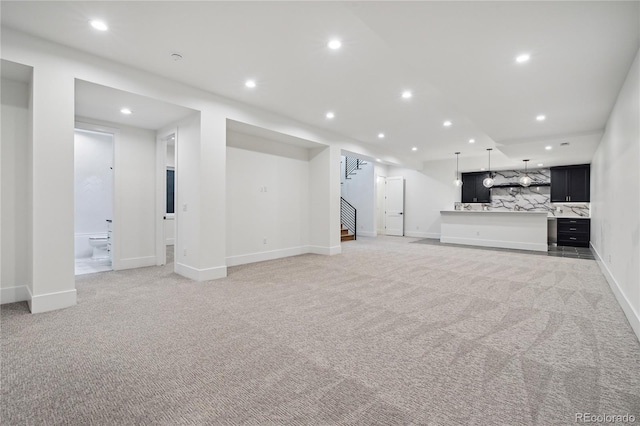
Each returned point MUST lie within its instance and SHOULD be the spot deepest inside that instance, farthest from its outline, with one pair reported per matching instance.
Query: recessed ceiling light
(330, 115)
(125, 111)
(472, 141)
(482, 169)
(548, 147)
(521, 59)
(540, 164)
(378, 160)
(406, 94)
(541, 117)
(334, 44)
(250, 83)
(447, 123)
(414, 149)
(381, 135)
(99, 25)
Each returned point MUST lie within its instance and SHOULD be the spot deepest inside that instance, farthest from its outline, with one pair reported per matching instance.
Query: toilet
(99, 243)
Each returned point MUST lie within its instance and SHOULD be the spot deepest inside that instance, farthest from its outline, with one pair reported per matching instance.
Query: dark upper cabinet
(570, 184)
(473, 191)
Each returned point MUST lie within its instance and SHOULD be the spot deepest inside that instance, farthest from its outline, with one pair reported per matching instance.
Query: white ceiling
(104, 103)
(456, 57)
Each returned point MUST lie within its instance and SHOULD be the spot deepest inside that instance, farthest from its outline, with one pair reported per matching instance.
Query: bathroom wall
(15, 277)
(93, 187)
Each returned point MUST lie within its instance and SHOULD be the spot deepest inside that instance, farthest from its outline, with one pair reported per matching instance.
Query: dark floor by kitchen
(554, 250)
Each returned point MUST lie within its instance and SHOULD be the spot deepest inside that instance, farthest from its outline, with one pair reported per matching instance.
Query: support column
(324, 190)
(201, 204)
(52, 190)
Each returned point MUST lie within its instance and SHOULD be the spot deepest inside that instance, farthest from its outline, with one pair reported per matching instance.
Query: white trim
(632, 316)
(327, 251)
(207, 274)
(520, 245)
(366, 234)
(51, 301)
(266, 255)
(134, 262)
(170, 241)
(417, 234)
(14, 294)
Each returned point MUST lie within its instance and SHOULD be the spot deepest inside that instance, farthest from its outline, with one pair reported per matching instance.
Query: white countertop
(493, 212)
(549, 215)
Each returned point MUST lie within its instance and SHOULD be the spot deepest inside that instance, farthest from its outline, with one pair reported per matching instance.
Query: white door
(394, 206)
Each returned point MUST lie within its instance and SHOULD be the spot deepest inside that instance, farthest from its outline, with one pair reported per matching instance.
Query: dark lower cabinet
(574, 232)
(473, 191)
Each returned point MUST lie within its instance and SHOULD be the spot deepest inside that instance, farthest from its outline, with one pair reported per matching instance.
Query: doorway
(93, 200)
(166, 197)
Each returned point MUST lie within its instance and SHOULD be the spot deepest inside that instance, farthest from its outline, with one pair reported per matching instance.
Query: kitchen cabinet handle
(572, 238)
(573, 221)
(572, 229)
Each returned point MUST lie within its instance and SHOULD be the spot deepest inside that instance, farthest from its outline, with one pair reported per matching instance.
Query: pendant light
(457, 182)
(525, 180)
(488, 181)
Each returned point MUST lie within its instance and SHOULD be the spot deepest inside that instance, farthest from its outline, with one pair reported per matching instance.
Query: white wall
(134, 162)
(15, 191)
(615, 198)
(55, 69)
(93, 177)
(359, 191)
(267, 200)
(427, 192)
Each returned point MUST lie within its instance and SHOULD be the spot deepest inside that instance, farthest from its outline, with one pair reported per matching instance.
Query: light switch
(184, 207)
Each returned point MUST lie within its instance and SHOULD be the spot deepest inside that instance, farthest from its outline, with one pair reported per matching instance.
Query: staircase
(345, 234)
(352, 165)
(348, 221)
(348, 216)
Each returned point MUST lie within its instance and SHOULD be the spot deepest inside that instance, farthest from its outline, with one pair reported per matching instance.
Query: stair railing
(348, 216)
(351, 165)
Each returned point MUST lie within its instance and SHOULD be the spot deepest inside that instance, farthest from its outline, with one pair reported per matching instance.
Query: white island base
(505, 229)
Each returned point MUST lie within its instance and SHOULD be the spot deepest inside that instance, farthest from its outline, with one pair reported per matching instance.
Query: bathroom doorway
(93, 200)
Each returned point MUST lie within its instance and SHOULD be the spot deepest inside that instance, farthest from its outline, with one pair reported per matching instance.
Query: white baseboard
(134, 262)
(196, 274)
(418, 234)
(327, 251)
(266, 255)
(51, 301)
(496, 243)
(366, 234)
(632, 316)
(14, 294)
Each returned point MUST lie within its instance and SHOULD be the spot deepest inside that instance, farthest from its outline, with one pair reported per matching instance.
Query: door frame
(115, 216)
(161, 191)
(386, 192)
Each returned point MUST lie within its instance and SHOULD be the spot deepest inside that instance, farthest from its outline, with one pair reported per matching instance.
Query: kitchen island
(522, 230)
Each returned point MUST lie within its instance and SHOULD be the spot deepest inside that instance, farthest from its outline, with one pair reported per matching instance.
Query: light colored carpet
(387, 333)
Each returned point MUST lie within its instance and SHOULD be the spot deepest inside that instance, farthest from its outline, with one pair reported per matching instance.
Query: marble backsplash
(534, 198)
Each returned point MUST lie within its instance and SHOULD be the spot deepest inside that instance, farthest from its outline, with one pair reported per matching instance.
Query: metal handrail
(351, 165)
(348, 216)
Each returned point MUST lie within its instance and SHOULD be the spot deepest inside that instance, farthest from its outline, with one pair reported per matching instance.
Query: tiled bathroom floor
(88, 266)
